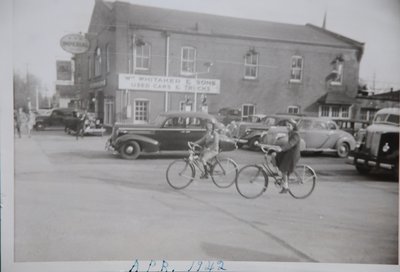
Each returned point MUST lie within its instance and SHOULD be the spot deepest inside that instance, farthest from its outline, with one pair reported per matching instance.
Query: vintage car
(170, 131)
(227, 115)
(317, 135)
(57, 118)
(378, 147)
(249, 133)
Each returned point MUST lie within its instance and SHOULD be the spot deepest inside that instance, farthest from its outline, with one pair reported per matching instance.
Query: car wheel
(343, 150)
(362, 169)
(130, 150)
(253, 143)
(40, 126)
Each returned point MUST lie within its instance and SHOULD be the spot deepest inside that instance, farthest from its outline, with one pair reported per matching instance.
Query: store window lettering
(164, 266)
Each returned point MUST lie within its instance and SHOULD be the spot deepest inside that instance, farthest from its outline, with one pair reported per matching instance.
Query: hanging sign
(75, 43)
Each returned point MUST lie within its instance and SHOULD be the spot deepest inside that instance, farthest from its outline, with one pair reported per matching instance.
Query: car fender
(349, 140)
(146, 144)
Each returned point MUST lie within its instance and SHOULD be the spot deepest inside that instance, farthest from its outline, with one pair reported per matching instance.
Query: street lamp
(208, 65)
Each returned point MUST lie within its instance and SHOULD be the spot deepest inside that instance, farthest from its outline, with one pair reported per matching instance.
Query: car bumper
(359, 159)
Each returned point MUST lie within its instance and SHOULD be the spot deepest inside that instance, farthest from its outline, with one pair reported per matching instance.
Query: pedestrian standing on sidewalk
(24, 120)
(31, 122)
(17, 122)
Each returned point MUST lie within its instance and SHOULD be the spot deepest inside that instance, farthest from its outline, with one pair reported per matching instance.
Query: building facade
(146, 60)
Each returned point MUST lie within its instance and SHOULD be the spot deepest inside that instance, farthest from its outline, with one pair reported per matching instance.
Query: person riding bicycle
(286, 159)
(210, 144)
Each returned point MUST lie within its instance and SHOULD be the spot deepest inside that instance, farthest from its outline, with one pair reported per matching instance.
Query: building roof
(337, 98)
(207, 24)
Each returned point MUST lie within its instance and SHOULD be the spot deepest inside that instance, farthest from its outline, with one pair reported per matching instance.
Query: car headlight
(386, 147)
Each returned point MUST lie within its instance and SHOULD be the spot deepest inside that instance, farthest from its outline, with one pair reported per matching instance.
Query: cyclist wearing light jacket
(210, 144)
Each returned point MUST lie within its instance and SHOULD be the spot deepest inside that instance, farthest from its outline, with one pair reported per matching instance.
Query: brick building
(145, 60)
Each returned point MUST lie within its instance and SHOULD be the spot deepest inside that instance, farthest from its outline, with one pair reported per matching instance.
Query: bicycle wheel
(302, 182)
(224, 172)
(180, 173)
(251, 181)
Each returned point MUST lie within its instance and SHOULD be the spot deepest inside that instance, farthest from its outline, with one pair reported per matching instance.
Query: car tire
(130, 150)
(40, 126)
(253, 142)
(362, 169)
(343, 150)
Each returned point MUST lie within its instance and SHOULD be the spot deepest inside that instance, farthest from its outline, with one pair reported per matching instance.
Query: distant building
(145, 60)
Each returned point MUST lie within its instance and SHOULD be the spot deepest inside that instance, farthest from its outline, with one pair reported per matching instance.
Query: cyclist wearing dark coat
(287, 159)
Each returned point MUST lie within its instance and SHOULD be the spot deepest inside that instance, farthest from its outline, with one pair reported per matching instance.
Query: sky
(39, 25)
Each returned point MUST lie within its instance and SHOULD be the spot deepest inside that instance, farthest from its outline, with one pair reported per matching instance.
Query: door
(315, 133)
(173, 134)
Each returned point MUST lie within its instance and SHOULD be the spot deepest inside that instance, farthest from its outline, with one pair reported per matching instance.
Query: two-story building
(146, 60)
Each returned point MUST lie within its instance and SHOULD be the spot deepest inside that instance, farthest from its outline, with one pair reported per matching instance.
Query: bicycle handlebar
(192, 145)
(266, 148)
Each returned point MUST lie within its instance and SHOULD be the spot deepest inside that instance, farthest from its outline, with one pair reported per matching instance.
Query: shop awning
(339, 98)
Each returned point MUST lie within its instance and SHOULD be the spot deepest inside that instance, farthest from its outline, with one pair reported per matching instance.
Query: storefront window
(141, 111)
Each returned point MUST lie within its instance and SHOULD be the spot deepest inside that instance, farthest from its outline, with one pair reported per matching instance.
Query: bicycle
(181, 172)
(252, 180)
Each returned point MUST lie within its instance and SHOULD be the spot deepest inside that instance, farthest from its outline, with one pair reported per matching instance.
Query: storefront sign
(64, 70)
(168, 84)
(74, 43)
(97, 84)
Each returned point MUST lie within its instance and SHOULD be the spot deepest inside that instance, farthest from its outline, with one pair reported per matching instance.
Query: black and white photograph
(187, 135)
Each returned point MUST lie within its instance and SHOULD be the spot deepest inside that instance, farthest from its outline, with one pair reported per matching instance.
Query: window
(108, 58)
(247, 110)
(251, 65)
(141, 111)
(324, 111)
(97, 62)
(108, 111)
(294, 109)
(188, 61)
(367, 114)
(337, 72)
(142, 55)
(296, 69)
(334, 111)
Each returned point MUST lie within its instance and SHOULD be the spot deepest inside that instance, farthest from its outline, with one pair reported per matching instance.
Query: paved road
(74, 202)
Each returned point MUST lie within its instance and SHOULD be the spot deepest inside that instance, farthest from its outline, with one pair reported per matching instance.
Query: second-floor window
(97, 62)
(251, 65)
(296, 72)
(142, 57)
(188, 60)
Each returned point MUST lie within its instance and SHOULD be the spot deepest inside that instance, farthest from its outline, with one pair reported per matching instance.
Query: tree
(25, 87)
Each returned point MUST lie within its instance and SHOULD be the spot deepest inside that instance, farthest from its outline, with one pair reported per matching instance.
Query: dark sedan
(170, 131)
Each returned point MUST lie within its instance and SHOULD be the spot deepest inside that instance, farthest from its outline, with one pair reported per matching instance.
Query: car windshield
(160, 119)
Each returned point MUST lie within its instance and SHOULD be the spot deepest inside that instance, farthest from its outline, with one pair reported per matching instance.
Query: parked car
(170, 131)
(317, 135)
(227, 115)
(378, 147)
(352, 126)
(249, 133)
(57, 118)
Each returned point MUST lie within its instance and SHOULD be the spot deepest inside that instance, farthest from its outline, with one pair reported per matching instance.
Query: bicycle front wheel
(302, 182)
(224, 172)
(180, 173)
(251, 181)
